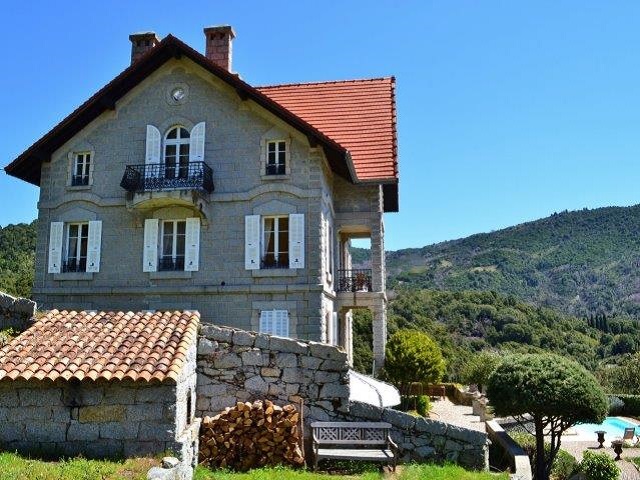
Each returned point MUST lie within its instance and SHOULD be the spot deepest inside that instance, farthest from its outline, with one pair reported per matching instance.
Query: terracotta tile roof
(104, 345)
(358, 114)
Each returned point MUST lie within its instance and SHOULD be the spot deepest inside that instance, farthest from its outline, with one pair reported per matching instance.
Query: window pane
(281, 157)
(271, 158)
(73, 231)
(180, 245)
(283, 242)
(172, 133)
(83, 247)
(281, 146)
(182, 228)
(284, 224)
(271, 146)
(184, 133)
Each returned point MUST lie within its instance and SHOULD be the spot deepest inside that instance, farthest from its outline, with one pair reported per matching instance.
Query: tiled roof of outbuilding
(358, 114)
(104, 345)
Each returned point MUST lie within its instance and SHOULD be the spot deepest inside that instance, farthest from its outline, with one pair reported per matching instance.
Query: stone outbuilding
(104, 385)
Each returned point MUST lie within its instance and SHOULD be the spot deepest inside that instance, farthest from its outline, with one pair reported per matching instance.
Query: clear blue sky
(508, 111)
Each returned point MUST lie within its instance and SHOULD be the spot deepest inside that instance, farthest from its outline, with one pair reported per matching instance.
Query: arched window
(176, 152)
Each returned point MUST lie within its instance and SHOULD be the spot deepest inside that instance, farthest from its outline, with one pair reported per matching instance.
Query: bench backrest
(351, 433)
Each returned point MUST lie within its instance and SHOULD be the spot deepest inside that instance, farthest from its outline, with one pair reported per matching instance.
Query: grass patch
(16, 467)
(408, 472)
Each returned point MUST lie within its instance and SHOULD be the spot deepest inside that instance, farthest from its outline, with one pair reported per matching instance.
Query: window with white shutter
(192, 249)
(94, 246)
(76, 247)
(55, 246)
(296, 240)
(274, 322)
(153, 145)
(252, 242)
(196, 150)
(150, 253)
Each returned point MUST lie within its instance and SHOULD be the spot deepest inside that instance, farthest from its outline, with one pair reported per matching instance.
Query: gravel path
(459, 415)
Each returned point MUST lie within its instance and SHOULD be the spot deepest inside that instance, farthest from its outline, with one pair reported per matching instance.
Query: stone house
(102, 385)
(179, 186)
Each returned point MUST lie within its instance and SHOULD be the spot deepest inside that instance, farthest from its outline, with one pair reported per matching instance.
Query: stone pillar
(379, 325)
(378, 265)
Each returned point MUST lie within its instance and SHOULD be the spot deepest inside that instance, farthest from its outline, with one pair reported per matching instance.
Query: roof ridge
(325, 82)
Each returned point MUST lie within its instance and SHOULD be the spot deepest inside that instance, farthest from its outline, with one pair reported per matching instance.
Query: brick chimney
(141, 43)
(218, 45)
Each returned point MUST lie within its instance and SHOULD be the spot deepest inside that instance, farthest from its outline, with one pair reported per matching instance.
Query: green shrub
(564, 465)
(599, 466)
(412, 356)
(423, 405)
(623, 404)
(479, 367)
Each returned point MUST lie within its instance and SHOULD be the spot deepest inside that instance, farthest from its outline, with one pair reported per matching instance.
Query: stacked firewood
(251, 435)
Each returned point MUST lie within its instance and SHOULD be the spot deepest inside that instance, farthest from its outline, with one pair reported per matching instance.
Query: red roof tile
(101, 345)
(358, 114)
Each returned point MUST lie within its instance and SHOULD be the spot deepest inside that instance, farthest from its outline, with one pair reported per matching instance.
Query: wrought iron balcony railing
(170, 264)
(161, 176)
(79, 180)
(354, 280)
(74, 265)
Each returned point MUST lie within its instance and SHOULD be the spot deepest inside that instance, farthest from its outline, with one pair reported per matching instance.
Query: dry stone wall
(235, 365)
(421, 439)
(16, 313)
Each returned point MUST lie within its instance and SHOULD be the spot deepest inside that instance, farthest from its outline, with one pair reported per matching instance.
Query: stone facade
(221, 288)
(422, 439)
(102, 419)
(16, 313)
(235, 365)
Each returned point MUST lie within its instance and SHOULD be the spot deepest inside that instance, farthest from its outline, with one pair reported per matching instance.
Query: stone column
(378, 265)
(379, 326)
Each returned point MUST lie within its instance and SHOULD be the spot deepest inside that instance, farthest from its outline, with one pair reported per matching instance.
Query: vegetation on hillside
(17, 252)
(582, 263)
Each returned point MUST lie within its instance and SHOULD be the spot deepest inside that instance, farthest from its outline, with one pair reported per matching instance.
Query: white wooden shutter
(196, 143)
(94, 245)
(296, 240)
(153, 145)
(55, 246)
(150, 254)
(192, 245)
(252, 242)
(275, 322)
(281, 323)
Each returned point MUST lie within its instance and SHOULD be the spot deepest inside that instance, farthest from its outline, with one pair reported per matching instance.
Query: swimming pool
(614, 426)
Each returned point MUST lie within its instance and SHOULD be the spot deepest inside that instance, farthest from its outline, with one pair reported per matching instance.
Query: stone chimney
(218, 45)
(141, 43)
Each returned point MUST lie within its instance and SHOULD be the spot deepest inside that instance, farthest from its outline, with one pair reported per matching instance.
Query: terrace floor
(629, 471)
(460, 415)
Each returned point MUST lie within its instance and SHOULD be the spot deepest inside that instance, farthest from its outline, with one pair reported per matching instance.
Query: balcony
(159, 176)
(354, 280)
(74, 265)
(159, 184)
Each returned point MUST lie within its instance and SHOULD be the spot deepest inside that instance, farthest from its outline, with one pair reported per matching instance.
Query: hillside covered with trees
(17, 250)
(582, 263)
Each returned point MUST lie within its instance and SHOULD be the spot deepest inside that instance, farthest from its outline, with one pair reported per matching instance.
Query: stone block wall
(16, 313)
(423, 439)
(235, 365)
(96, 419)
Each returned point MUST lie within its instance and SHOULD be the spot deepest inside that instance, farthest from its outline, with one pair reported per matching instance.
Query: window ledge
(286, 176)
(79, 187)
(83, 276)
(170, 275)
(275, 272)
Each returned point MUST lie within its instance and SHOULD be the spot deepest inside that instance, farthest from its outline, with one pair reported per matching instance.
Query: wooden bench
(366, 441)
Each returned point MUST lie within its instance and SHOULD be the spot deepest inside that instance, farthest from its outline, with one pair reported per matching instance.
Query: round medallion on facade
(178, 94)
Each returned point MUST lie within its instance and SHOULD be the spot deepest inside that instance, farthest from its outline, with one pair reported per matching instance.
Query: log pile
(251, 435)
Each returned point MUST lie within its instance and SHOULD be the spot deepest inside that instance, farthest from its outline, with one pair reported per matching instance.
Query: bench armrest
(392, 444)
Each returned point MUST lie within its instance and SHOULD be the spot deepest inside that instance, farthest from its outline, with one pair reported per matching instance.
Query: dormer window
(81, 169)
(176, 152)
(276, 157)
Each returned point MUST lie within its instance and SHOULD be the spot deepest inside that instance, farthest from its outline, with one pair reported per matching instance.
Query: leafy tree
(412, 356)
(555, 393)
(622, 377)
(480, 367)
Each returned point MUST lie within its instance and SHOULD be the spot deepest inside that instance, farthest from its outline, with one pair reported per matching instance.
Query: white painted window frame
(276, 233)
(179, 143)
(174, 238)
(277, 143)
(78, 240)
